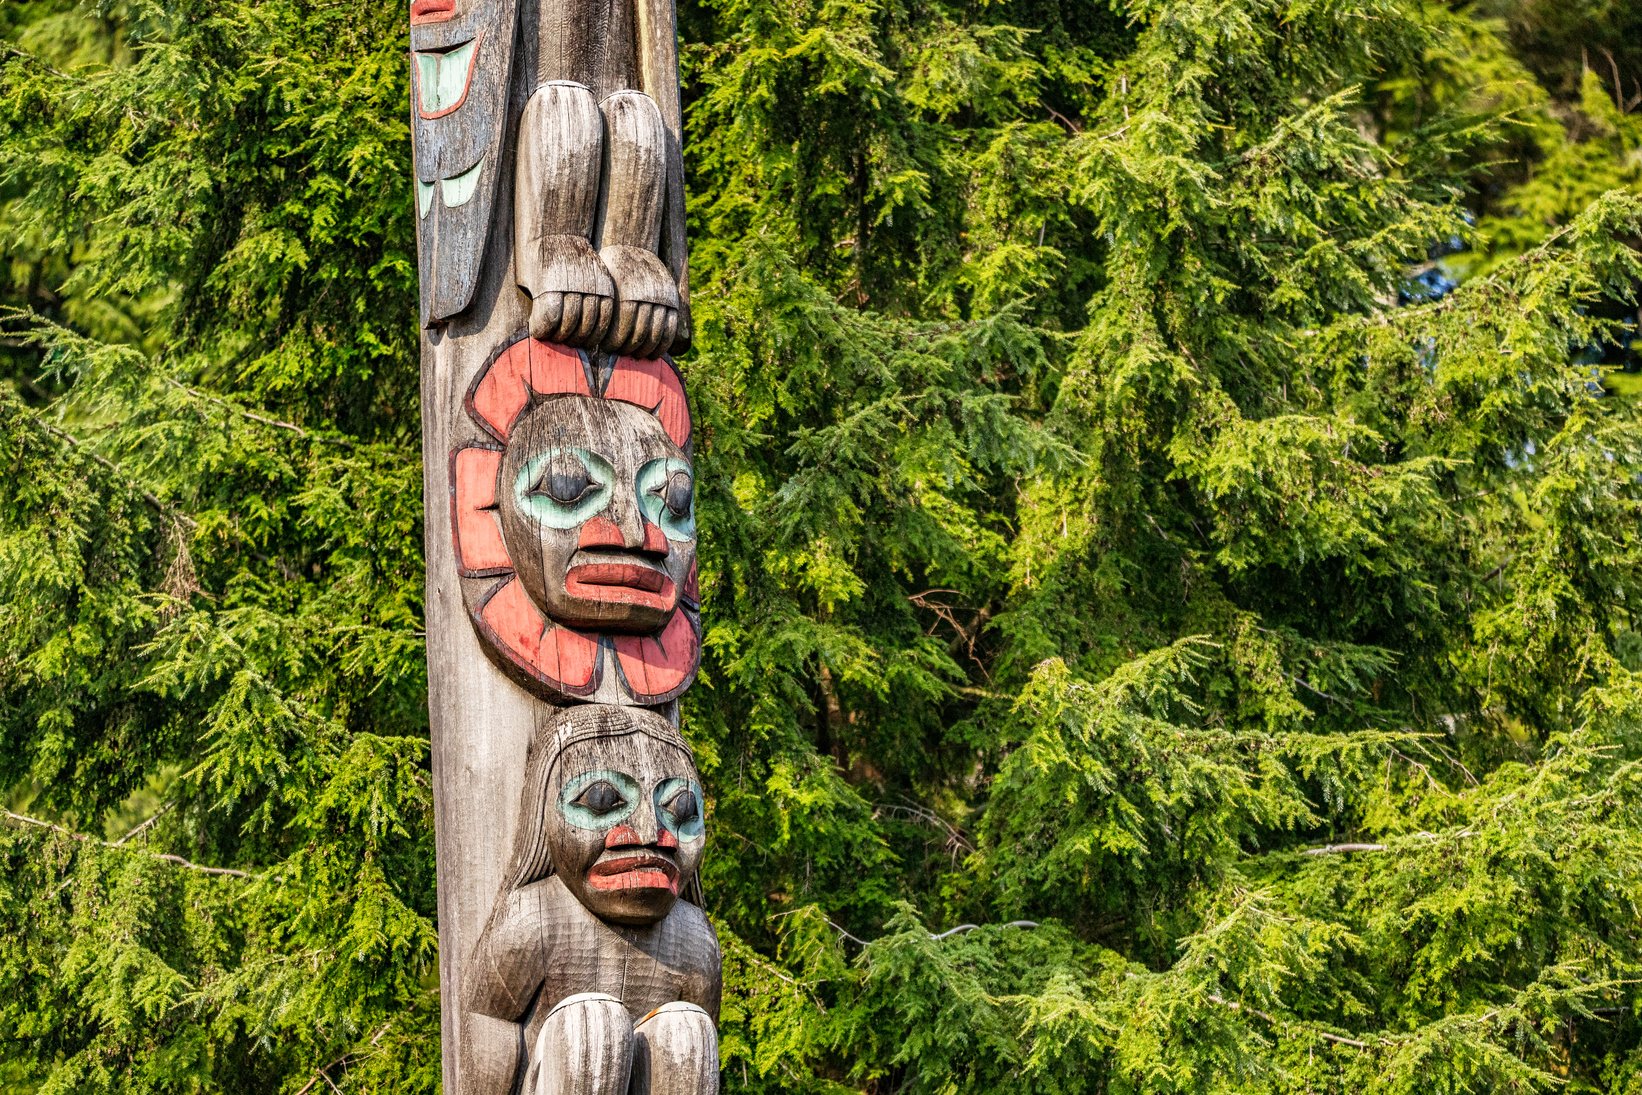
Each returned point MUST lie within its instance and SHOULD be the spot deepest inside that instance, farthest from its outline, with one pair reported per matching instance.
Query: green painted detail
(458, 189)
(442, 78)
(549, 510)
(667, 793)
(652, 485)
(583, 816)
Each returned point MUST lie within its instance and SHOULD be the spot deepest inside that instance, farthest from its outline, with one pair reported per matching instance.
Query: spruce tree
(1151, 647)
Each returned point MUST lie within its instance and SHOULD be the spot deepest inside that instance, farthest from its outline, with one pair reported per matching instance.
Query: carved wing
(461, 61)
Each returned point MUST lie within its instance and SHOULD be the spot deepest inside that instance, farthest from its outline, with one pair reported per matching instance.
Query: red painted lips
(641, 871)
(431, 11)
(621, 583)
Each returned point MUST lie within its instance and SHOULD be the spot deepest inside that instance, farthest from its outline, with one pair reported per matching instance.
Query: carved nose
(642, 536)
(641, 830)
(621, 836)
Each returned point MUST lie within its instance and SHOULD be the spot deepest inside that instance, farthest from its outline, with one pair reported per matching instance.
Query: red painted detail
(570, 658)
(478, 534)
(621, 584)
(632, 575)
(467, 81)
(654, 386)
(654, 538)
(658, 667)
(431, 11)
(504, 389)
(639, 872)
(666, 839)
(516, 622)
(601, 532)
(561, 657)
(556, 370)
(692, 587)
(622, 836)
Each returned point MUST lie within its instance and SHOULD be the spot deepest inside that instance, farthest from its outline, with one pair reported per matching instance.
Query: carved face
(598, 514)
(461, 55)
(625, 826)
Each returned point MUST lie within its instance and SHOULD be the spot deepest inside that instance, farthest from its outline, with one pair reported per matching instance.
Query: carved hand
(576, 298)
(647, 303)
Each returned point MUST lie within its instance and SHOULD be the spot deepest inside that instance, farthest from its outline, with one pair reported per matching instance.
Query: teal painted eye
(678, 806)
(562, 488)
(598, 800)
(667, 490)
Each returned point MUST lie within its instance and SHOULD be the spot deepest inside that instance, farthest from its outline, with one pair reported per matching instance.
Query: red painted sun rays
(556, 660)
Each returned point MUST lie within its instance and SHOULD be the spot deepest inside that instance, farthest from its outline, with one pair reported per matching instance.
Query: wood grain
(569, 110)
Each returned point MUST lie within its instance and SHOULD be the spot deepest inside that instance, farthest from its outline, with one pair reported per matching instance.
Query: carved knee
(676, 1052)
(585, 1047)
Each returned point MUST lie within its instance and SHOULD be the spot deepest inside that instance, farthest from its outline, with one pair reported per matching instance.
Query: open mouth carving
(445, 76)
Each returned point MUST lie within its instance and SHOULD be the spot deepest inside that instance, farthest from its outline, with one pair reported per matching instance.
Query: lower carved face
(597, 507)
(625, 827)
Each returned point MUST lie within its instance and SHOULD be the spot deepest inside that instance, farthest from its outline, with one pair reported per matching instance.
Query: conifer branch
(1337, 1039)
(165, 508)
(962, 928)
(324, 1071)
(23, 819)
(278, 424)
(144, 826)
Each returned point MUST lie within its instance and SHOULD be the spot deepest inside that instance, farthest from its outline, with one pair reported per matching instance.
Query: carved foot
(647, 303)
(574, 298)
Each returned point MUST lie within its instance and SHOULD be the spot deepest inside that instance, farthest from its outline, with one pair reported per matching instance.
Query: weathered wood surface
(599, 896)
(461, 69)
(560, 535)
(592, 595)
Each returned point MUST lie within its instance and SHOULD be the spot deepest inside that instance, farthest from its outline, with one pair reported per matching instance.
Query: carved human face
(625, 826)
(598, 514)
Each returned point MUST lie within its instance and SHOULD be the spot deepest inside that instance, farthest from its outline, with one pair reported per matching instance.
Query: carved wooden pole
(562, 614)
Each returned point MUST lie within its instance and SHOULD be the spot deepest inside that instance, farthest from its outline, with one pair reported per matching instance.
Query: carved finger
(641, 329)
(545, 315)
(607, 307)
(590, 315)
(622, 333)
(652, 333)
(572, 317)
(669, 330)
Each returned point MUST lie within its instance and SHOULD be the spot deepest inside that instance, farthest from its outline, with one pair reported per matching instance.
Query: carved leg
(632, 200)
(585, 1048)
(675, 1052)
(555, 203)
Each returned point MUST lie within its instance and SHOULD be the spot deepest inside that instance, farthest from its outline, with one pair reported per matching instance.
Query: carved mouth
(632, 583)
(444, 76)
(431, 11)
(636, 871)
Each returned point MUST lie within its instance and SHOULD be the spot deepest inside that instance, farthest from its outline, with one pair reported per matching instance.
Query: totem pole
(563, 617)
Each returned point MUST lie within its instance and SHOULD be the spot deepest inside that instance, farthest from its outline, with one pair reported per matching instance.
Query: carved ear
(654, 385)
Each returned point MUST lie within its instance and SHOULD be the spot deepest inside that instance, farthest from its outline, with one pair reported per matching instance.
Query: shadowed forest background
(1167, 471)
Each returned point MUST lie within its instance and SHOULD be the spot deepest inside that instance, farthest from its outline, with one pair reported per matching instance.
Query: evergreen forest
(1170, 480)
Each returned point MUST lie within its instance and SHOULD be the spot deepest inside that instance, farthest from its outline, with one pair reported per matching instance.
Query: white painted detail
(424, 197)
